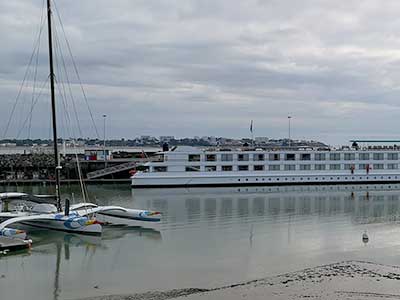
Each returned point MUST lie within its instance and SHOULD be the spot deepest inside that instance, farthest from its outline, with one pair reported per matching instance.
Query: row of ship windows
(323, 178)
(294, 156)
(319, 167)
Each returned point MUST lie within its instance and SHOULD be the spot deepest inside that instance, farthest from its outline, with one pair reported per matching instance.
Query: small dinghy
(9, 244)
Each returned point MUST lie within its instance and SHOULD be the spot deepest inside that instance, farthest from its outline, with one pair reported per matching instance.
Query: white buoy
(365, 237)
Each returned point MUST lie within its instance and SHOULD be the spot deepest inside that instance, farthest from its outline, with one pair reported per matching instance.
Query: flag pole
(252, 134)
(289, 117)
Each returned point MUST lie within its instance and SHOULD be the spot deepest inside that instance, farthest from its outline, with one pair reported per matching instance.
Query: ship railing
(118, 168)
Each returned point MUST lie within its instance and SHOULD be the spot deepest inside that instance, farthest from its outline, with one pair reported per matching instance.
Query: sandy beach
(344, 280)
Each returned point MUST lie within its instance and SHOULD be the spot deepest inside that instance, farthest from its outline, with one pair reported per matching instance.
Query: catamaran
(78, 218)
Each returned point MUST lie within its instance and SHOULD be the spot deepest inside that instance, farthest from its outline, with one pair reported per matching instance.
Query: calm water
(209, 237)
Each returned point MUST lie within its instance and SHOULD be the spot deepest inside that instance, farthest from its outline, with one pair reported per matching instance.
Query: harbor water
(209, 237)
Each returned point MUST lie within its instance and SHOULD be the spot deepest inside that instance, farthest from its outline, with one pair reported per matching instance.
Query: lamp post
(104, 140)
(289, 117)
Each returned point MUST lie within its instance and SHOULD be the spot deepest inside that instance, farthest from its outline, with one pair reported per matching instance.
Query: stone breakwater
(345, 280)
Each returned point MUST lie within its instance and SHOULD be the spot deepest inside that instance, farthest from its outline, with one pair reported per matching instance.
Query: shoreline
(342, 280)
(50, 181)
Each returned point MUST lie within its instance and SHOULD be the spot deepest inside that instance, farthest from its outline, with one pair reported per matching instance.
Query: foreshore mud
(344, 280)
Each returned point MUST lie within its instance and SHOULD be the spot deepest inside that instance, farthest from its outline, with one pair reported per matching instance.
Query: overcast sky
(208, 67)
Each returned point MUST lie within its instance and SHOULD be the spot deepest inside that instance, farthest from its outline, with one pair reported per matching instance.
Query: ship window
(258, 167)
(305, 156)
(362, 166)
(211, 168)
(243, 168)
(258, 157)
(194, 157)
(392, 166)
(274, 156)
(378, 166)
(226, 168)
(319, 167)
(274, 167)
(290, 167)
(192, 168)
(349, 166)
(334, 156)
(349, 156)
(226, 157)
(243, 157)
(334, 167)
(363, 156)
(378, 156)
(211, 157)
(160, 169)
(319, 156)
(305, 167)
(290, 156)
(392, 156)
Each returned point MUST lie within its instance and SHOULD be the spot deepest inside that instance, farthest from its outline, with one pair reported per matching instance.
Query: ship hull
(251, 179)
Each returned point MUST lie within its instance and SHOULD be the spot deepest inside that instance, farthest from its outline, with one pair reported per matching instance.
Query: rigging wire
(36, 66)
(62, 69)
(34, 104)
(76, 69)
(59, 84)
(71, 96)
(36, 44)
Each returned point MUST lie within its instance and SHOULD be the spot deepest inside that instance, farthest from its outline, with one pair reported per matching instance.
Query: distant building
(261, 139)
(166, 138)
(213, 140)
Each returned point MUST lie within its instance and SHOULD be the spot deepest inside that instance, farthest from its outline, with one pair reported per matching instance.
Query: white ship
(194, 167)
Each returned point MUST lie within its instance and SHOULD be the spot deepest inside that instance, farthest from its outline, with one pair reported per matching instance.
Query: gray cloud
(208, 67)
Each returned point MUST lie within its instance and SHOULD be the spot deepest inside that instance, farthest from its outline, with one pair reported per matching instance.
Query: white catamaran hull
(81, 217)
(72, 223)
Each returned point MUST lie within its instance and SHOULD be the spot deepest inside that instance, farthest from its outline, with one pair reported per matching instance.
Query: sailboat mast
(53, 108)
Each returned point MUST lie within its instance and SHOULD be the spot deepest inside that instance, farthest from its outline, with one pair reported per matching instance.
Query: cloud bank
(188, 68)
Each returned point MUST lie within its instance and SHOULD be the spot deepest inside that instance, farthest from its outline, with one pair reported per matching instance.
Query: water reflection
(65, 248)
(208, 237)
(59, 244)
(365, 204)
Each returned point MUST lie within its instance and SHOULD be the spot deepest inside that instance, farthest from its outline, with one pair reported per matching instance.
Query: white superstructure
(190, 166)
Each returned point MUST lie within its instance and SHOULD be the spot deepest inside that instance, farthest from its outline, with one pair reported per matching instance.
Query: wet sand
(345, 280)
